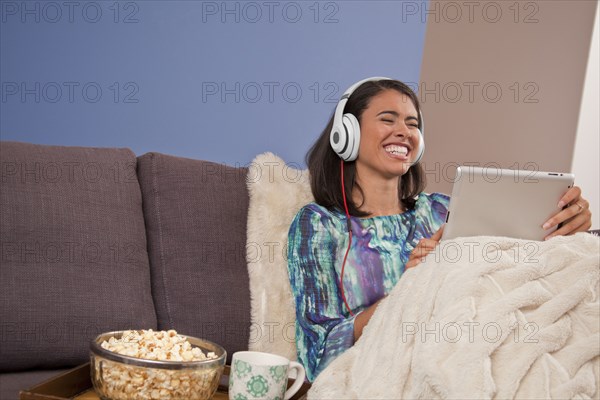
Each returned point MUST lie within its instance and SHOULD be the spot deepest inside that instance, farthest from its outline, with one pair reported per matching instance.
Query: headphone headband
(352, 88)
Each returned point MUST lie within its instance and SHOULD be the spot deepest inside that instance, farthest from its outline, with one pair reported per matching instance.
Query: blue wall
(221, 81)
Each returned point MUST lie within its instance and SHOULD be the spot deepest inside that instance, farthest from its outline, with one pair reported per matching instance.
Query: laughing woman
(370, 220)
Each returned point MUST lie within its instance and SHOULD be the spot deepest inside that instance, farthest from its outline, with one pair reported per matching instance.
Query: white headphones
(345, 132)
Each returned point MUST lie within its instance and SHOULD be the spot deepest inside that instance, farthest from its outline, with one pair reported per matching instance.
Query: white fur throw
(482, 318)
(277, 192)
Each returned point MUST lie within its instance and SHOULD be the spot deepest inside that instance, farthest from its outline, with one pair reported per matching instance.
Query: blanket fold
(482, 318)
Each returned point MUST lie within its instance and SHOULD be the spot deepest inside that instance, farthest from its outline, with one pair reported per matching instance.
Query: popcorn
(161, 345)
(123, 381)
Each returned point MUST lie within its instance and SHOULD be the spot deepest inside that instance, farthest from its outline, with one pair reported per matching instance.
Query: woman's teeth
(398, 150)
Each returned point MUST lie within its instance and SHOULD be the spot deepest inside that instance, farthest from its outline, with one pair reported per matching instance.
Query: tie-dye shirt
(317, 242)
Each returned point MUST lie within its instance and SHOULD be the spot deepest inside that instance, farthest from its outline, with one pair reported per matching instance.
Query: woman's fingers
(424, 247)
(427, 244)
(580, 223)
(438, 235)
(571, 194)
(577, 217)
(576, 208)
(412, 263)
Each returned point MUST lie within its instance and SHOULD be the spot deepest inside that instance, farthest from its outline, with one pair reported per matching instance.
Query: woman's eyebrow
(394, 113)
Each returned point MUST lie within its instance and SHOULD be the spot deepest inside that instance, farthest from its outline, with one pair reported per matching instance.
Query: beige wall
(520, 68)
(586, 156)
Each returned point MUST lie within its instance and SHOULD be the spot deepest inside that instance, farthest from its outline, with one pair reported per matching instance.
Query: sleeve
(430, 216)
(323, 329)
(439, 204)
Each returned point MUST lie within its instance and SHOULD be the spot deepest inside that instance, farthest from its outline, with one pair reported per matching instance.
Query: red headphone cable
(349, 238)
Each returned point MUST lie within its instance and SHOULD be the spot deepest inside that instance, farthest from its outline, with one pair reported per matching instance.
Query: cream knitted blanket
(482, 318)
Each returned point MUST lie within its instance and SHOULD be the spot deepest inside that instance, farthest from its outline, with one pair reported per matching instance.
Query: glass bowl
(119, 377)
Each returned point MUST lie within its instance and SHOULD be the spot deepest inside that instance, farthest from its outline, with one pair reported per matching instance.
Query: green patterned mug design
(257, 386)
(278, 373)
(256, 375)
(241, 369)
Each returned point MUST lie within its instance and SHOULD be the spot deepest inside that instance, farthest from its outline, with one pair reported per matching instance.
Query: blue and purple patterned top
(317, 242)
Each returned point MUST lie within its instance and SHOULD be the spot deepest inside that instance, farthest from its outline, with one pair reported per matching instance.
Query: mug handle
(300, 375)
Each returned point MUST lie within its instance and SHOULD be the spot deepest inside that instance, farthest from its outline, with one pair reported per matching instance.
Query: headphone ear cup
(352, 128)
(338, 139)
(420, 149)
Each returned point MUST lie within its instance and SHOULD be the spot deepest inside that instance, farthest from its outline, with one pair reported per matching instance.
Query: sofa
(97, 239)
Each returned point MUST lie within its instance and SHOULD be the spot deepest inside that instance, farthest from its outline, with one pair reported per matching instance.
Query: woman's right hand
(424, 247)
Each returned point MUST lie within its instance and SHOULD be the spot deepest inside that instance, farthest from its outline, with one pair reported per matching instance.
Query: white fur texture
(482, 318)
(277, 192)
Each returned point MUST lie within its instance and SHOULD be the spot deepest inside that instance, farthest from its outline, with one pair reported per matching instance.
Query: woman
(368, 231)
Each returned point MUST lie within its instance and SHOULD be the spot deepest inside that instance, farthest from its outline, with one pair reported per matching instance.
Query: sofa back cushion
(73, 255)
(196, 215)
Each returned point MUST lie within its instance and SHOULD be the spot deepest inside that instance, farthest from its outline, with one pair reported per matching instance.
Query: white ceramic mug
(255, 375)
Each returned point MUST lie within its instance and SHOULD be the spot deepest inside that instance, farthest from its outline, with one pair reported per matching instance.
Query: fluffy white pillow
(277, 192)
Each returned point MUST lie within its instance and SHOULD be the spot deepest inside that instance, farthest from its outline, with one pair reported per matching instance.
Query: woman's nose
(402, 130)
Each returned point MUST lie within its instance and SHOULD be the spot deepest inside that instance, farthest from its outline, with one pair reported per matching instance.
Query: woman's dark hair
(324, 164)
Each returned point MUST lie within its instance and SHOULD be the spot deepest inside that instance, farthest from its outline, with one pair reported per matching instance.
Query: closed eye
(412, 121)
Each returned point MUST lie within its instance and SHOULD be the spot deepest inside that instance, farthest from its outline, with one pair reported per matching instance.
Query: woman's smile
(398, 151)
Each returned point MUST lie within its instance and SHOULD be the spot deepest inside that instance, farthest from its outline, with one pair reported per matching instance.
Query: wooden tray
(76, 384)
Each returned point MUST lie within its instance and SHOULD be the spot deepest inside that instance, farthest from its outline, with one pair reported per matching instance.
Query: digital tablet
(504, 202)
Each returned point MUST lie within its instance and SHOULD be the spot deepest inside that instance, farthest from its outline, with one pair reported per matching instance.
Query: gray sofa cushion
(196, 215)
(73, 251)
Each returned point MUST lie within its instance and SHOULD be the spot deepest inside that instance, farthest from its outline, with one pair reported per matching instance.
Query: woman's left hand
(424, 247)
(577, 217)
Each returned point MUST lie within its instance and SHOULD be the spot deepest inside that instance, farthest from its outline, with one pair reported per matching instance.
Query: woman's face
(389, 136)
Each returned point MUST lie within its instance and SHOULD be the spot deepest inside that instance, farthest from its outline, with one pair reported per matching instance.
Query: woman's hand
(424, 247)
(577, 217)
(363, 318)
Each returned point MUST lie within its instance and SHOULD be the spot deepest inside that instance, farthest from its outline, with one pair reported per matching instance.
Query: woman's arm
(323, 329)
